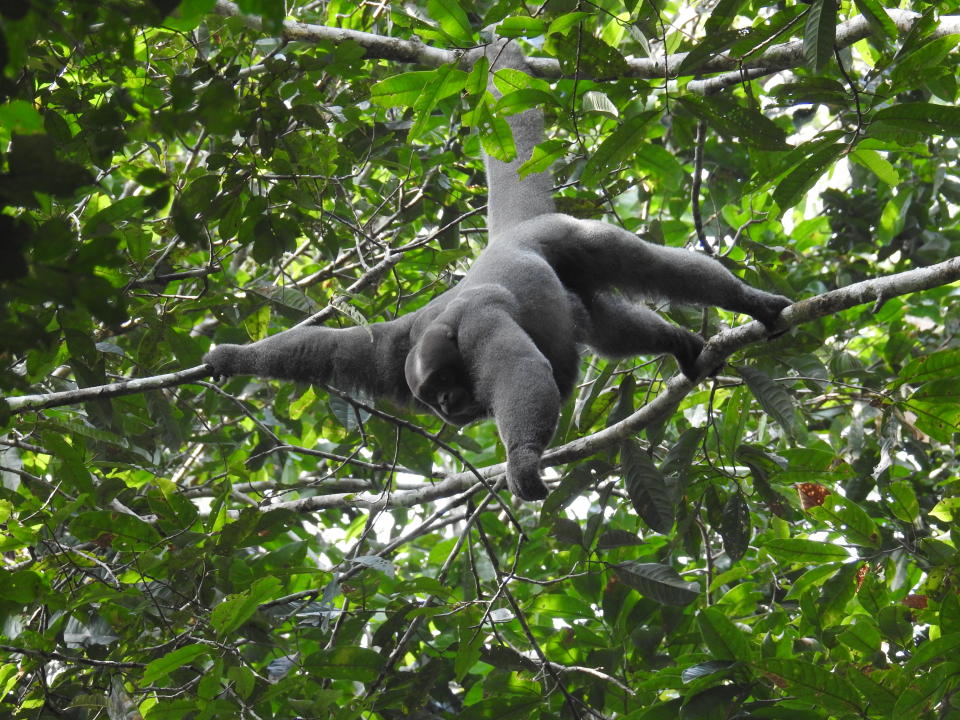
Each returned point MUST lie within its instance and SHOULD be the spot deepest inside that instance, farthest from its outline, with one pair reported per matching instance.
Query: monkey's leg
(590, 256)
(515, 381)
(620, 328)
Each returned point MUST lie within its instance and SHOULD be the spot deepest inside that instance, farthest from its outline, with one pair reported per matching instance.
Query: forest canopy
(777, 541)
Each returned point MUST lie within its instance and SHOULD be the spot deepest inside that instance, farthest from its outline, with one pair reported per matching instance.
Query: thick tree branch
(777, 57)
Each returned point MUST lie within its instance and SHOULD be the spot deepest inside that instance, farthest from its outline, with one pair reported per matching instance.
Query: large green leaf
(819, 35)
(346, 663)
(733, 119)
(658, 582)
(173, 660)
(801, 550)
(921, 117)
(619, 147)
(723, 638)
(815, 682)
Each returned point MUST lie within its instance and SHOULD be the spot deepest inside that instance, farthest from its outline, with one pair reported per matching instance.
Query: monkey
(505, 340)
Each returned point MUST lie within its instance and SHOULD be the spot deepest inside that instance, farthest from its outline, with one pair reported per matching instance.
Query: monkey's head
(438, 377)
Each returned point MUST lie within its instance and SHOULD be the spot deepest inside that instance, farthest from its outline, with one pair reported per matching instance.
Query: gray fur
(504, 341)
(511, 200)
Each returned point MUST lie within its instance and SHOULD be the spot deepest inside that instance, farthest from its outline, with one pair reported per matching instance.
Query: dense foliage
(781, 544)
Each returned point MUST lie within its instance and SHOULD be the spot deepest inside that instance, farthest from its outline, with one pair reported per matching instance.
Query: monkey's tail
(511, 200)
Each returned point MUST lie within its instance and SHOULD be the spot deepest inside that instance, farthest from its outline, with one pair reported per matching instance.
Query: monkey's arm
(358, 358)
(515, 381)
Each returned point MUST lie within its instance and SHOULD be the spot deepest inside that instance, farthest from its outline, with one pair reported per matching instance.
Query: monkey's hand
(688, 350)
(769, 307)
(226, 360)
(523, 474)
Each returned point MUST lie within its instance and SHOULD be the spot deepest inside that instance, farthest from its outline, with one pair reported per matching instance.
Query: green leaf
(874, 685)
(599, 103)
(713, 44)
(801, 550)
(732, 119)
(586, 54)
(517, 704)
(915, 68)
(820, 33)
(468, 652)
(564, 23)
(647, 489)
(406, 89)
(943, 364)
(567, 531)
(816, 683)
(614, 538)
(521, 26)
(495, 135)
(171, 709)
(775, 401)
(523, 99)
(848, 519)
(701, 670)
(257, 323)
(20, 587)
(921, 117)
(813, 577)
(346, 663)
(447, 80)
(618, 147)
(658, 582)
(804, 176)
(813, 90)
(453, 20)
(723, 638)
(125, 532)
(19, 116)
(947, 509)
(877, 17)
(722, 15)
(661, 166)
(945, 647)
(679, 457)
(543, 157)
(903, 501)
(163, 666)
(862, 636)
(235, 610)
(917, 700)
(735, 526)
(881, 167)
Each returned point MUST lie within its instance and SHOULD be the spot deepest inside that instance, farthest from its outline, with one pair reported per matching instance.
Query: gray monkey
(504, 341)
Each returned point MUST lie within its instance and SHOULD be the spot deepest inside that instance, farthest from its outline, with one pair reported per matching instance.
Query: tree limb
(777, 57)
(24, 403)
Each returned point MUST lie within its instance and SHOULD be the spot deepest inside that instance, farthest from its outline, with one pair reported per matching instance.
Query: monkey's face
(437, 376)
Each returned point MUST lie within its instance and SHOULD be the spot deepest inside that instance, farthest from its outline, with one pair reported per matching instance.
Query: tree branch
(24, 403)
(777, 57)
